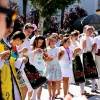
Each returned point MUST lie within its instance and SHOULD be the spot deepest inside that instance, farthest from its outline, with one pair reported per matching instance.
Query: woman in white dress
(66, 63)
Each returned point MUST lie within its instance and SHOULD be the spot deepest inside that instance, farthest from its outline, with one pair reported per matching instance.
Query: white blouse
(89, 43)
(75, 45)
(26, 44)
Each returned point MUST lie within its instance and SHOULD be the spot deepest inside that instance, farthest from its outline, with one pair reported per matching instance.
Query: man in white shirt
(97, 56)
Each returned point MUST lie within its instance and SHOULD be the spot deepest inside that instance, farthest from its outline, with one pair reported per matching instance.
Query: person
(66, 64)
(16, 40)
(96, 42)
(52, 69)
(25, 51)
(38, 48)
(89, 65)
(8, 80)
(78, 71)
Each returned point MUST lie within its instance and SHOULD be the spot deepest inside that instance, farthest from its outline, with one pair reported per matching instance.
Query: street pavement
(74, 89)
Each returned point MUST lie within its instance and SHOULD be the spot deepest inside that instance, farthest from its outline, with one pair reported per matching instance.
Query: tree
(13, 5)
(24, 9)
(48, 8)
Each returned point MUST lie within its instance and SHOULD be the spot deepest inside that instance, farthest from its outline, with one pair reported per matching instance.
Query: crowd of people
(28, 63)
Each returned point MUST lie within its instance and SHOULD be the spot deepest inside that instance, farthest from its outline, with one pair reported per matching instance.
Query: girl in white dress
(38, 47)
(52, 69)
(66, 63)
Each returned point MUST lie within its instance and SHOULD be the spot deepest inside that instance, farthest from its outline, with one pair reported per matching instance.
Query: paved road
(74, 89)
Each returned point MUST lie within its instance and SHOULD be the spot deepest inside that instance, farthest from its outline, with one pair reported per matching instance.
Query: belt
(77, 54)
(89, 51)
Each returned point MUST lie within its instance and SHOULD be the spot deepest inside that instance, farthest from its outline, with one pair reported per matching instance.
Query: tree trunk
(24, 9)
(62, 17)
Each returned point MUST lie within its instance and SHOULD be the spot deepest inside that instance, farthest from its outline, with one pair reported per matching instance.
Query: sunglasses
(7, 11)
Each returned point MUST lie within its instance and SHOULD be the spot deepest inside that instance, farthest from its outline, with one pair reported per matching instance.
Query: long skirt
(78, 70)
(90, 69)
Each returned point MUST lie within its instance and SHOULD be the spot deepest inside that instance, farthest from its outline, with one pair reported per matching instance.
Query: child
(16, 40)
(77, 64)
(38, 47)
(90, 69)
(25, 50)
(53, 70)
(66, 63)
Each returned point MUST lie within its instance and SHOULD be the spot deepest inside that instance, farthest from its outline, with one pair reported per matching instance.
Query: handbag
(35, 78)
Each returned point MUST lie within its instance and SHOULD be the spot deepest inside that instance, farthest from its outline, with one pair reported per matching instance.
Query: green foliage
(48, 8)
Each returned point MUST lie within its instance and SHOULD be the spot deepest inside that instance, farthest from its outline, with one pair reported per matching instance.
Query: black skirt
(78, 70)
(90, 69)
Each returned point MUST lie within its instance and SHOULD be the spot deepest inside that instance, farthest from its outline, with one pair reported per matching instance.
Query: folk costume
(78, 70)
(77, 64)
(10, 88)
(97, 57)
(89, 65)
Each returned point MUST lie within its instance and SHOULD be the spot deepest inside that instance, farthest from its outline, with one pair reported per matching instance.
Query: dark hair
(8, 21)
(74, 34)
(28, 25)
(99, 31)
(18, 34)
(65, 39)
(39, 37)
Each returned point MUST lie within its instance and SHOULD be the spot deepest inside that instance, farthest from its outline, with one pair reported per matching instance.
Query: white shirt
(89, 43)
(32, 40)
(97, 41)
(53, 52)
(75, 45)
(26, 44)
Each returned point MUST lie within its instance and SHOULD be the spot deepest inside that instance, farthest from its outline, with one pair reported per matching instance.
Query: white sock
(82, 87)
(35, 94)
(93, 84)
(98, 83)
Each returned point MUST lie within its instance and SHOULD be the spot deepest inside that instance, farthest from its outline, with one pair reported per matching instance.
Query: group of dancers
(65, 58)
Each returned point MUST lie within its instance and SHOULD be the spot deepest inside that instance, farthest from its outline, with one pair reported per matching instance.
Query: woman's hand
(77, 50)
(25, 60)
(94, 46)
(84, 44)
(24, 50)
(5, 55)
(61, 54)
(38, 51)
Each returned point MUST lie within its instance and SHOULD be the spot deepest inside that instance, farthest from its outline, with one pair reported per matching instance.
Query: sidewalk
(75, 90)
